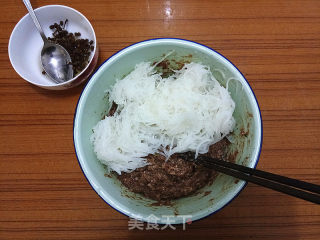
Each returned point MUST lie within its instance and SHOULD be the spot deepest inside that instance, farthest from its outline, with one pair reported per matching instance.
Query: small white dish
(25, 45)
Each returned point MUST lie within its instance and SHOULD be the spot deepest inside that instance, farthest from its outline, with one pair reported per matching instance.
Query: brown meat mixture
(174, 178)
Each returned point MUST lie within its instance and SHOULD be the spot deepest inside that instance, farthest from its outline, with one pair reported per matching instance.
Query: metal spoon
(55, 59)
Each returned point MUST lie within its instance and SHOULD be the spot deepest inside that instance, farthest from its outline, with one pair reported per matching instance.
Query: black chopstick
(274, 177)
(276, 182)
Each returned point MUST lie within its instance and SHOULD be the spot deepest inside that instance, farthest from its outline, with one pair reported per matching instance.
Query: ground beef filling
(174, 178)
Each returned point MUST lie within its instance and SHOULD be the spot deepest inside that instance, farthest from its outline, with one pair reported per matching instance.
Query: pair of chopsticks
(290, 186)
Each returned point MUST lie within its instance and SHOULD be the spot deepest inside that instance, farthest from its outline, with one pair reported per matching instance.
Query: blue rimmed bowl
(92, 107)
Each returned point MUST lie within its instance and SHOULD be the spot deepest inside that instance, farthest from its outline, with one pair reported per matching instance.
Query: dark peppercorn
(44, 72)
(78, 49)
(65, 22)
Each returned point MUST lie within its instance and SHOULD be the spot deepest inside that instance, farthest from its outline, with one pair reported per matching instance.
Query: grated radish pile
(188, 111)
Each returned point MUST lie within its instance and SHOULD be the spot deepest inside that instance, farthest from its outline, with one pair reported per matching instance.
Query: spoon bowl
(56, 62)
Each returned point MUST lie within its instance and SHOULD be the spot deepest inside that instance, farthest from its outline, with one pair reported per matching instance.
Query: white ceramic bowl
(25, 45)
(93, 105)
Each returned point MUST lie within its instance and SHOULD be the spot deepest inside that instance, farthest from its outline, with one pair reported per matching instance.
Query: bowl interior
(25, 42)
(93, 105)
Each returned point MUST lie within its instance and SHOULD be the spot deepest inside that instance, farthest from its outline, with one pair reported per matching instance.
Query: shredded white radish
(188, 111)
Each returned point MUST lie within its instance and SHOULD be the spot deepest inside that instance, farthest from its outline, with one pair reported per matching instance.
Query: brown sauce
(174, 178)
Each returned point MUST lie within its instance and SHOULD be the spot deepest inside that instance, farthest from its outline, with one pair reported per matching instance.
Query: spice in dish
(78, 48)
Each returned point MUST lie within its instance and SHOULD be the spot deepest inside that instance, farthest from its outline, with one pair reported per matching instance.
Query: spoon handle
(35, 20)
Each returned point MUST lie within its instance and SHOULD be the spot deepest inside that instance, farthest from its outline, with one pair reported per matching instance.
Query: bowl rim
(53, 84)
(194, 217)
